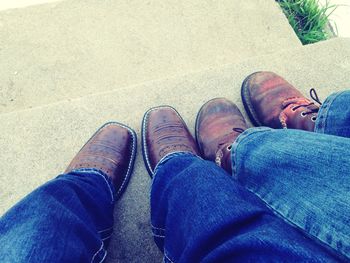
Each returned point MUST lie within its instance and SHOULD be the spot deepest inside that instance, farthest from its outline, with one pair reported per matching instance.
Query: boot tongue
(299, 113)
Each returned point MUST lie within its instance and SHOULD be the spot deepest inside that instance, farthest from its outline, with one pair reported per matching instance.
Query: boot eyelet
(313, 118)
(229, 148)
(303, 114)
(293, 109)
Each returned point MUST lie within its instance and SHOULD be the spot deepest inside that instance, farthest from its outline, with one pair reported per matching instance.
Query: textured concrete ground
(37, 144)
(71, 48)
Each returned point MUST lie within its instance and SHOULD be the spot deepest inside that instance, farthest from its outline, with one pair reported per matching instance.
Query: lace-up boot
(271, 101)
(218, 124)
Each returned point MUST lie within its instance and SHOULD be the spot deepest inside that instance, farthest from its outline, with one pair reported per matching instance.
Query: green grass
(308, 19)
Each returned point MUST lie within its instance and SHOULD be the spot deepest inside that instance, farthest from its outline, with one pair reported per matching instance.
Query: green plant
(308, 19)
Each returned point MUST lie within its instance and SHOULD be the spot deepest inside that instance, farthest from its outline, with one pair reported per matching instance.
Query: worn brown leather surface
(109, 150)
(219, 122)
(164, 132)
(271, 101)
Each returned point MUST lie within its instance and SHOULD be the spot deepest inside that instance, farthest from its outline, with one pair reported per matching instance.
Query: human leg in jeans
(334, 115)
(306, 178)
(201, 214)
(70, 218)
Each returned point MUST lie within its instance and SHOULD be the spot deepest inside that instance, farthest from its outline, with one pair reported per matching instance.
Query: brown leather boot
(218, 124)
(164, 132)
(112, 150)
(271, 101)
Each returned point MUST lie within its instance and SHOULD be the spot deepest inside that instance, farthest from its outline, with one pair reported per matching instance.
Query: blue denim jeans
(288, 199)
(68, 219)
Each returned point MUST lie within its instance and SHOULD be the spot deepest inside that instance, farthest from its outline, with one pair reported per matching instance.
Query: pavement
(69, 49)
(339, 19)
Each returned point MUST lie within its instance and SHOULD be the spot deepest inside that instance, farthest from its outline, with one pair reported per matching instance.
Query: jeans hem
(171, 155)
(100, 255)
(167, 258)
(237, 143)
(97, 172)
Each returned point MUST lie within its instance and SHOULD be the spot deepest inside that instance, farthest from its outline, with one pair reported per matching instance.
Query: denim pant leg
(304, 177)
(334, 115)
(201, 214)
(68, 219)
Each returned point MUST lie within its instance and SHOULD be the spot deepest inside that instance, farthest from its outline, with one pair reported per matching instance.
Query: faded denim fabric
(68, 219)
(199, 213)
(303, 177)
(334, 115)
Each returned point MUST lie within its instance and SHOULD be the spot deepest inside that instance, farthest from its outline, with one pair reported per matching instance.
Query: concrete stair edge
(184, 75)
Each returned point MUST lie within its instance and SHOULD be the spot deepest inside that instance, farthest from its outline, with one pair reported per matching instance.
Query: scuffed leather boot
(164, 132)
(112, 150)
(218, 124)
(271, 101)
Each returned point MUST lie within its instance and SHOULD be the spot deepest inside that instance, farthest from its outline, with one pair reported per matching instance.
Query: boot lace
(311, 107)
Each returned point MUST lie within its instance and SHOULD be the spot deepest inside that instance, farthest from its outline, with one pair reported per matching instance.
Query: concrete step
(73, 48)
(37, 144)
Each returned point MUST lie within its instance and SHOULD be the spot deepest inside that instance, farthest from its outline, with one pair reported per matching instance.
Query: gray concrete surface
(37, 144)
(71, 48)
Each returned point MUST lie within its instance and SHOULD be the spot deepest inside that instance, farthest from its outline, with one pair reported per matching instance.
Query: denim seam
(158, 235)
(167, 257)
(105, 230)
(157, 228)
(107, 237)
(104, 256)
(98, 251)
(158, 232)
(320, 124)
(109, 187)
